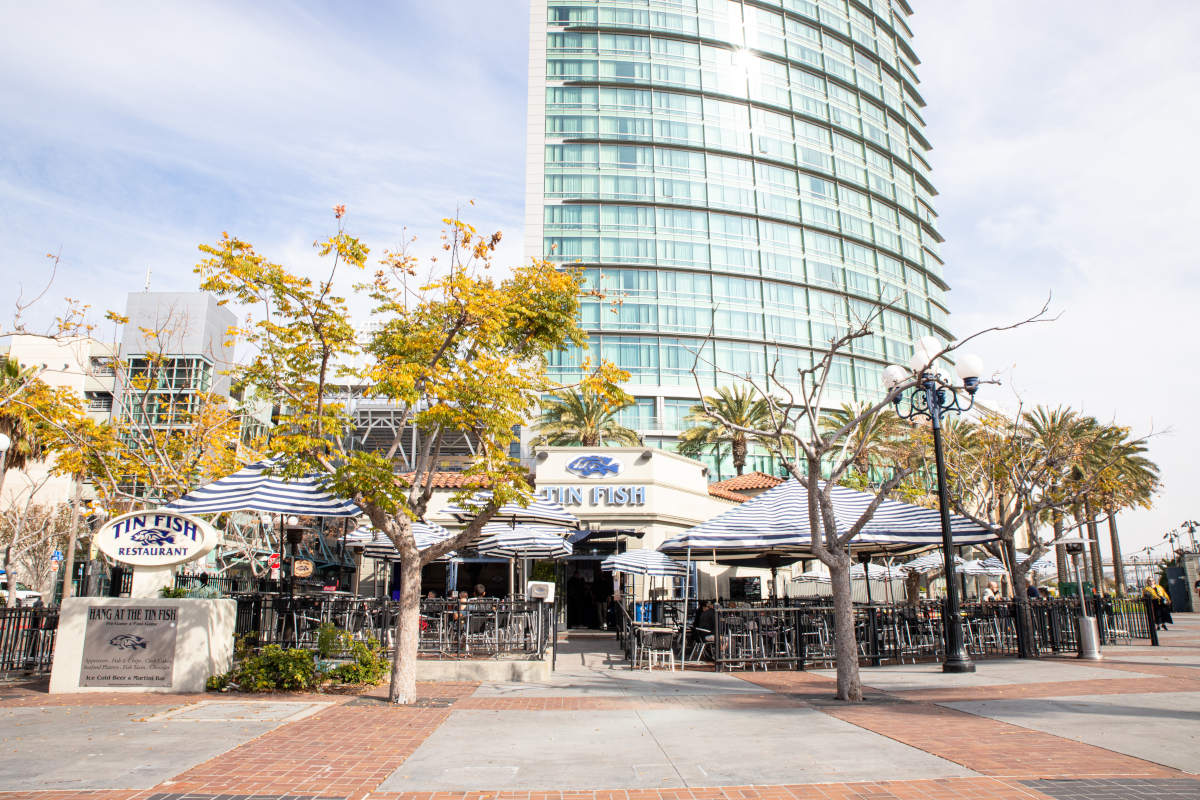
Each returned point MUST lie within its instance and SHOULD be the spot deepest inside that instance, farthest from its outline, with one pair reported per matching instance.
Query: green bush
(370, 665)
(332, 642)
(275, 669)
(172, 591)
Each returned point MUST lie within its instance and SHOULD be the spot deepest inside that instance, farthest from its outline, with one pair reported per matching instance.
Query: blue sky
(1063, 138)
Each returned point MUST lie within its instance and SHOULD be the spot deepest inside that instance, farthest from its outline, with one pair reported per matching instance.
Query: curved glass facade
(751, 169)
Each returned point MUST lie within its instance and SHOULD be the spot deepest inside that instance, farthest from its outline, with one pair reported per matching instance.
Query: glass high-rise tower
(751, 172)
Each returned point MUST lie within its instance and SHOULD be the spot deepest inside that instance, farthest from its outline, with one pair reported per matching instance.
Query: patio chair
(702, 644)
(659, 649)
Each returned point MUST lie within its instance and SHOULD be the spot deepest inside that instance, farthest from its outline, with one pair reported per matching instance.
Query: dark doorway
(588, 589)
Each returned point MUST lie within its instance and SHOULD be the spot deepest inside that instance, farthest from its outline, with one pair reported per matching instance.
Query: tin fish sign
(155, 538)
(595, 466)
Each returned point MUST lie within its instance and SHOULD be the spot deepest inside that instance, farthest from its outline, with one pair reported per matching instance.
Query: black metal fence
(454, 629)
(205, 585)
(477, 628)
(802, 635)
(27, 640)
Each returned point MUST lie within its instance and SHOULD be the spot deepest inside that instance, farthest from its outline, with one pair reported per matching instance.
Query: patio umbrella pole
(716, 581)
(686, 594)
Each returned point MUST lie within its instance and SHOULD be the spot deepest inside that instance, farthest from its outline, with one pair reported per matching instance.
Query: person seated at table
(480, 590)
(992, 592)
(459, 612)
(432, 595)
(705, 621)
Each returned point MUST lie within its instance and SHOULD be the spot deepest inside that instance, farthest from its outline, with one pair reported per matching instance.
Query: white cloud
(146, 129)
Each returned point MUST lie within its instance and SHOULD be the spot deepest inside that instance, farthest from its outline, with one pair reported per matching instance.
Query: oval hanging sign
(155, 538)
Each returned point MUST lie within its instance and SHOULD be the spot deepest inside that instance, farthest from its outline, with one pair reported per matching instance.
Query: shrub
(332, 642)
(370, 665)
(172, 591)
(275, 669)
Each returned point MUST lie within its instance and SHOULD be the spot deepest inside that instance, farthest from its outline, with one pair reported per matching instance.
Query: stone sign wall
(125, 644)
(129, 646)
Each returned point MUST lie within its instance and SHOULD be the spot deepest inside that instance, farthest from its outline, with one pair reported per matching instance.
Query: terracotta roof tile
(751, 480)
(448, 480)
(725, 494)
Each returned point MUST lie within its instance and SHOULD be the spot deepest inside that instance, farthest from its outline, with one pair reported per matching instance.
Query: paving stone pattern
(165, 796)
(1118, 789)
(351, 749)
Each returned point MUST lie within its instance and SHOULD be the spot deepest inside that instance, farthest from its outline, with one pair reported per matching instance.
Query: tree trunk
(72, 536)
(1094, 535)
(404, 664)
(739, 453)
(11, 599)
(849, 684)
(912, 588)
(1118, 559)
(1024, 620)
(1060, 551)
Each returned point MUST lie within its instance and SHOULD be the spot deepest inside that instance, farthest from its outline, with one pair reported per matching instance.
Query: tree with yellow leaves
(459, 352)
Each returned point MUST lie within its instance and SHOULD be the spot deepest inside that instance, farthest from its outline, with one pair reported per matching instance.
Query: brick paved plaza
(1128, 727)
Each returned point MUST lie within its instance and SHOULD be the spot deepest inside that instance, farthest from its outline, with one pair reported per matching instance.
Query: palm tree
(583, 418)
(24, 447)
(739, 406)
(1127, 479)
(874, 441)
(1054, 430)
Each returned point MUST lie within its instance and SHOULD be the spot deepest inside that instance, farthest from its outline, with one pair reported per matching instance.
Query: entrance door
(588, 589)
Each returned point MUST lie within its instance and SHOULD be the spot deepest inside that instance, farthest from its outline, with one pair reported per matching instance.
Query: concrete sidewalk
(1055, 728)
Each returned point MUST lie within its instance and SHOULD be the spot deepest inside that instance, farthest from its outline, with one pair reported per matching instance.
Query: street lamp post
(931, 397)
(1191, 526)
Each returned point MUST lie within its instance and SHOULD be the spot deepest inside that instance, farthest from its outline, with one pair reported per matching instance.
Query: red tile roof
(751, 480)
(716, 491)
(449, 480)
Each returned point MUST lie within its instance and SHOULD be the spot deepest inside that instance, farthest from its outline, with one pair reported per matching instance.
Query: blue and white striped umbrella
(378, 545)
(522, 541)
(776, 521)
(540, 511)
(1043, 564)
(930, 562)
(978, 567)
(249, 489)
(875, 572)
(645, 562)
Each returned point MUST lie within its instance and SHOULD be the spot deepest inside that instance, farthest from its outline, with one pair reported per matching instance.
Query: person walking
(1161, 602)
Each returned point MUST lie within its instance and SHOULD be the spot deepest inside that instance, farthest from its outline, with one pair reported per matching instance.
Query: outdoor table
(643, 629)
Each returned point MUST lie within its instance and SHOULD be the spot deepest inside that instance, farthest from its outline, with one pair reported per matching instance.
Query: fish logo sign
(592, 466)
(153, 537)
(127, 641)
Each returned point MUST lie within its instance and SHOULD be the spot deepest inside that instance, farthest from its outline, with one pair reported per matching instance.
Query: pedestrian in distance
(1160, 601)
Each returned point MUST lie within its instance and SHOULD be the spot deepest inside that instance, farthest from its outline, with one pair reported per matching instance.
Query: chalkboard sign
(745, 589)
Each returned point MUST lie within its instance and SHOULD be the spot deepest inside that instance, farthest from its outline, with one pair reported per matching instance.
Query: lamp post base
(958, 664)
